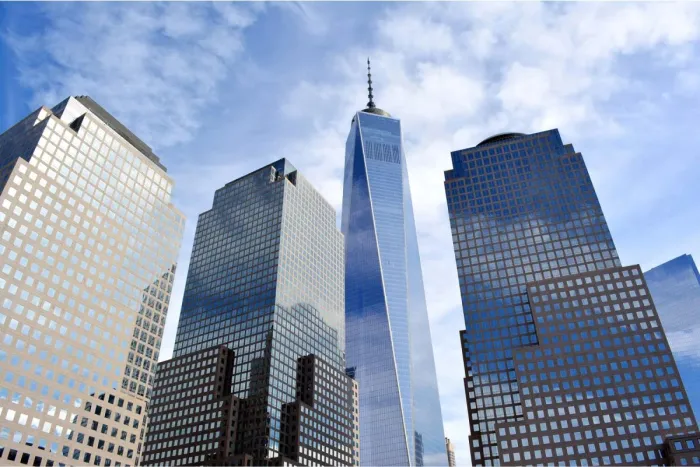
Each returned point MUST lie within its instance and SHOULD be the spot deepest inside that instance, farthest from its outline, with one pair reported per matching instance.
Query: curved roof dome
(500, 137)
(377, 111)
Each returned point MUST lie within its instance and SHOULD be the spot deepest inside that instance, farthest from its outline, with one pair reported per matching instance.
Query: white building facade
(88, 244)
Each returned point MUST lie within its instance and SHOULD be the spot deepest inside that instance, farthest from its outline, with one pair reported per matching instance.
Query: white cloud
(154, 66)
(438, 94)
(688, 82)
(416, 35)
(236, 16)
(308, 14)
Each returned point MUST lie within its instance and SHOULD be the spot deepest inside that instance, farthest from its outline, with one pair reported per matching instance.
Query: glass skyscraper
(266, 280)
(565, 358)
(675, 288)
(388, 335)
(89, 240)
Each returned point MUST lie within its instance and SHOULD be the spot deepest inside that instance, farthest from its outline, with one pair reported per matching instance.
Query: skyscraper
(449, 447)
(565, 358)
(266, 281)
(89, 244)
(387, 330)
(675, 288)
(194, 419)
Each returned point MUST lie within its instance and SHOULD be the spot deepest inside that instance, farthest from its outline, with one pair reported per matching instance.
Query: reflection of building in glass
(89, 242)
(266, 281)
(675, 288)
(418, 448)
(565, 359)
(388, 335)
(450, 453)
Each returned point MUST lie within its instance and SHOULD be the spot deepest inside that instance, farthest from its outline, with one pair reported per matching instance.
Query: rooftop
(499, 138)
(120, 129)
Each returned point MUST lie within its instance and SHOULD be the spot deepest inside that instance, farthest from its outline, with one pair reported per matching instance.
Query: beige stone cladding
(88, 243)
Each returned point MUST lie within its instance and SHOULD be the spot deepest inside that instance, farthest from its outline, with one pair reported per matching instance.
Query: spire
(370, 104)
(371, 107)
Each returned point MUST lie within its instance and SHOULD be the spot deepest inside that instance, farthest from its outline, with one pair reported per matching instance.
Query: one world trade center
(388, 343)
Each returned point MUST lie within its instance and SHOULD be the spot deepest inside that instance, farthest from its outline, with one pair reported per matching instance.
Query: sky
(221, 89)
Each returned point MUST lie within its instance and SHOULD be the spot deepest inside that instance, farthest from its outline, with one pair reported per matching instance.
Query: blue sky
(221, 89)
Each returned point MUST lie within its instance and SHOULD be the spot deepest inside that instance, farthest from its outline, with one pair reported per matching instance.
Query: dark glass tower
(566, 361)
(388, 335)
(675, 288)
(266, 281)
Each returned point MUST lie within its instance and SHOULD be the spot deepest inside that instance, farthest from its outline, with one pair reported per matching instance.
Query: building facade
(675, 288)
(193, 417)
(88, 247)
(387, 330)
(565, 357)
(682, 450)
(323, 397)
(451, 462)
(266, 281)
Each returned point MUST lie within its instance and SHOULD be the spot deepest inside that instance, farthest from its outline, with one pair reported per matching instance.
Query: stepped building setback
(263, 315)
(565, 357)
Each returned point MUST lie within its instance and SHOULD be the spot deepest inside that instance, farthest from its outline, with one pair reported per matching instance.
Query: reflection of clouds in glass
(675, 289)
(428, 417)
(521, 210)
(268, 224)
(387, 325)
(266, 279)
(686, 344)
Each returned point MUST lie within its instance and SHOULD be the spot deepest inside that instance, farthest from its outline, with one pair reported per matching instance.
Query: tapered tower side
(388, 336)
(675, 288)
